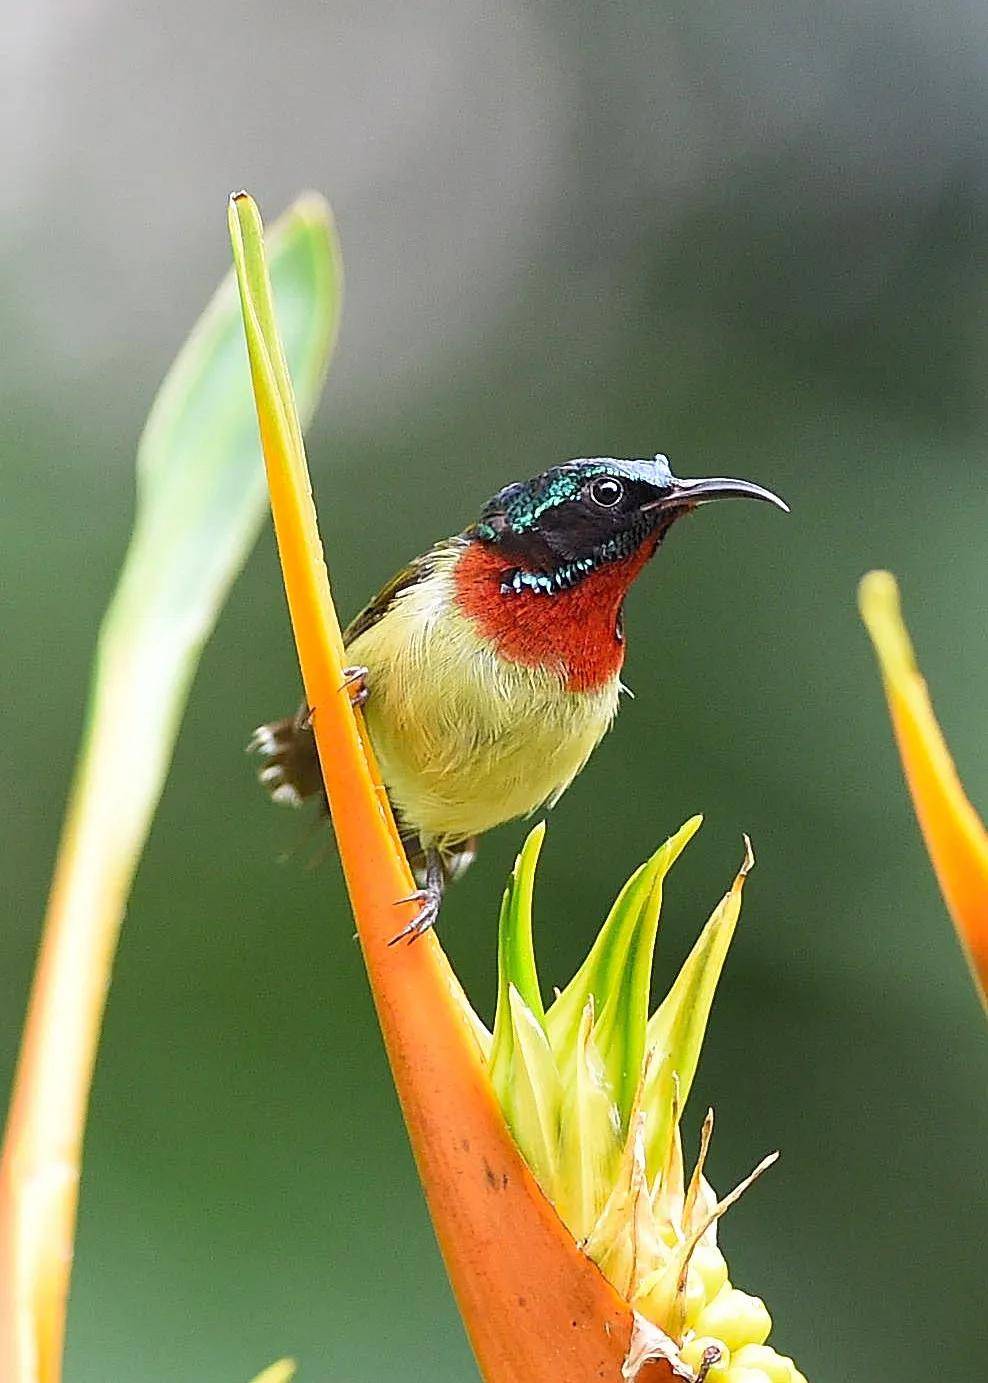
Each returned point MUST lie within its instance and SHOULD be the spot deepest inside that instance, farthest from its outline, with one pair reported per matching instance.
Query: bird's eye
(606, 492)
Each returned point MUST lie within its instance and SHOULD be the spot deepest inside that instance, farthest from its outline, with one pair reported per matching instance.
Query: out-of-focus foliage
(200, 498)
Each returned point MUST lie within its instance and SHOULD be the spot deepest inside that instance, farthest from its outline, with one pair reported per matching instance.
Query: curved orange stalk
(954, 833)
(537, 1310)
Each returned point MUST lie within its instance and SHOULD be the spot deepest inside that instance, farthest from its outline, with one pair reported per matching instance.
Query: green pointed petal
(676, 1030)
(590, 1137)
(532, 1096)
(617, 974)
(515, 951)
(614, 1243)
(516, 957)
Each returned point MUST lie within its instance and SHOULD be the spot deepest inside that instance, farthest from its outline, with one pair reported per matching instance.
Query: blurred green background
(752, 237)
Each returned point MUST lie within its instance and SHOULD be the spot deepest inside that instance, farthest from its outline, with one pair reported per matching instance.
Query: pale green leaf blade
(590, 1135)
(201, 501)
(282, 1372)
(200, 504)
(516, 952)
(616, 974)
(677, 1028)
(532, 1099)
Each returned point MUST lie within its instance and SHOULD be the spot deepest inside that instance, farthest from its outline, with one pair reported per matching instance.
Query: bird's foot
(431, 899)
(355, 680)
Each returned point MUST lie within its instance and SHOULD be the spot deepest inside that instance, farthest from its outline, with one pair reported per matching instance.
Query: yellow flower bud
(696, 1297)
(736, 1318)
(711, 1265)
(743, 1375)
(692, 1355)
(776, 1366)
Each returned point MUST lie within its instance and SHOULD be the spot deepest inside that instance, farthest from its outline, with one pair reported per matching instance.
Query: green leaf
(533, 1095)
(590, 1136)
(677, 1028)
(617, 975)
(200, 503)
(515, 951)
(201, 499)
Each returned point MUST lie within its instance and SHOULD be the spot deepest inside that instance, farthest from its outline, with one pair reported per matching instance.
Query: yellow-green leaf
(531, 1098)
(676, 1029)
(516, 955)
(617, 973)
(282, 1372)
(590, 1135)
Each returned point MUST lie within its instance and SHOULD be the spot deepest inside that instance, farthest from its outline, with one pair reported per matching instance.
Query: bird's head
(567, 523)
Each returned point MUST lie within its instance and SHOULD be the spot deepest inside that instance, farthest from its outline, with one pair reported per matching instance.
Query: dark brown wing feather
(417, 570)
(290, 768)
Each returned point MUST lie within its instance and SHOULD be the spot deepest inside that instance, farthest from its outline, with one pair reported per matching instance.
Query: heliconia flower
(592, 1090)
(549, 1150)
(954, 833)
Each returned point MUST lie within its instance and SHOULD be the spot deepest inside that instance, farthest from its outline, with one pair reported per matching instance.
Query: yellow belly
(464, 739)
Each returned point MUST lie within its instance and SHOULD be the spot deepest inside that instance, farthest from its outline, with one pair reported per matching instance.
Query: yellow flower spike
(955, 835)
(535, 1307)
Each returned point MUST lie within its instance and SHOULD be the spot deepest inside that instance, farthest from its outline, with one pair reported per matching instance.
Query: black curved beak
(687, 494)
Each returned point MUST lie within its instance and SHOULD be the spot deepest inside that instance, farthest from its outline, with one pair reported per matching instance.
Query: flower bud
(736, 1318)
(695, 1297)
(711, 1266)
(693, 1351)
(777, 1367)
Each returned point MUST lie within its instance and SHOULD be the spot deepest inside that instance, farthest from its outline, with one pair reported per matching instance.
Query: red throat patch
(574, 631)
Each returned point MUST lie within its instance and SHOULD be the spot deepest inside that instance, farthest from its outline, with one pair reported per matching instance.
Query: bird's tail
(289, 771)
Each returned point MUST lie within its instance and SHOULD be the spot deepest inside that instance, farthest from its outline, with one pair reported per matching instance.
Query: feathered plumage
(491, 663)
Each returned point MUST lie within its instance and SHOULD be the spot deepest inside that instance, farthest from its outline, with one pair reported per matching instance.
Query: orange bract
(954, 833)
(537, 1310)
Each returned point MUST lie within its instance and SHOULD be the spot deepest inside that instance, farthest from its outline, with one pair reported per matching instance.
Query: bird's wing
(417, 570)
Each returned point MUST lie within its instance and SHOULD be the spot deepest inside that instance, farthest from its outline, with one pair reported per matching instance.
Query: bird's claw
(355, 680)
(424, 920)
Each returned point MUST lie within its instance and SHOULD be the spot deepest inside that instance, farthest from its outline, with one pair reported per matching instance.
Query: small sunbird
(489, 668)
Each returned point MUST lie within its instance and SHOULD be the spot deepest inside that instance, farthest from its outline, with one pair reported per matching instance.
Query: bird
(489, 668)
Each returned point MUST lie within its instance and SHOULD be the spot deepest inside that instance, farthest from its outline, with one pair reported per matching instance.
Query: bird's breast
(576, 631)
(468, 736)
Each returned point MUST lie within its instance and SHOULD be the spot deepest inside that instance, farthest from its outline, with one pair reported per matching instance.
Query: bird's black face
(573, 518)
